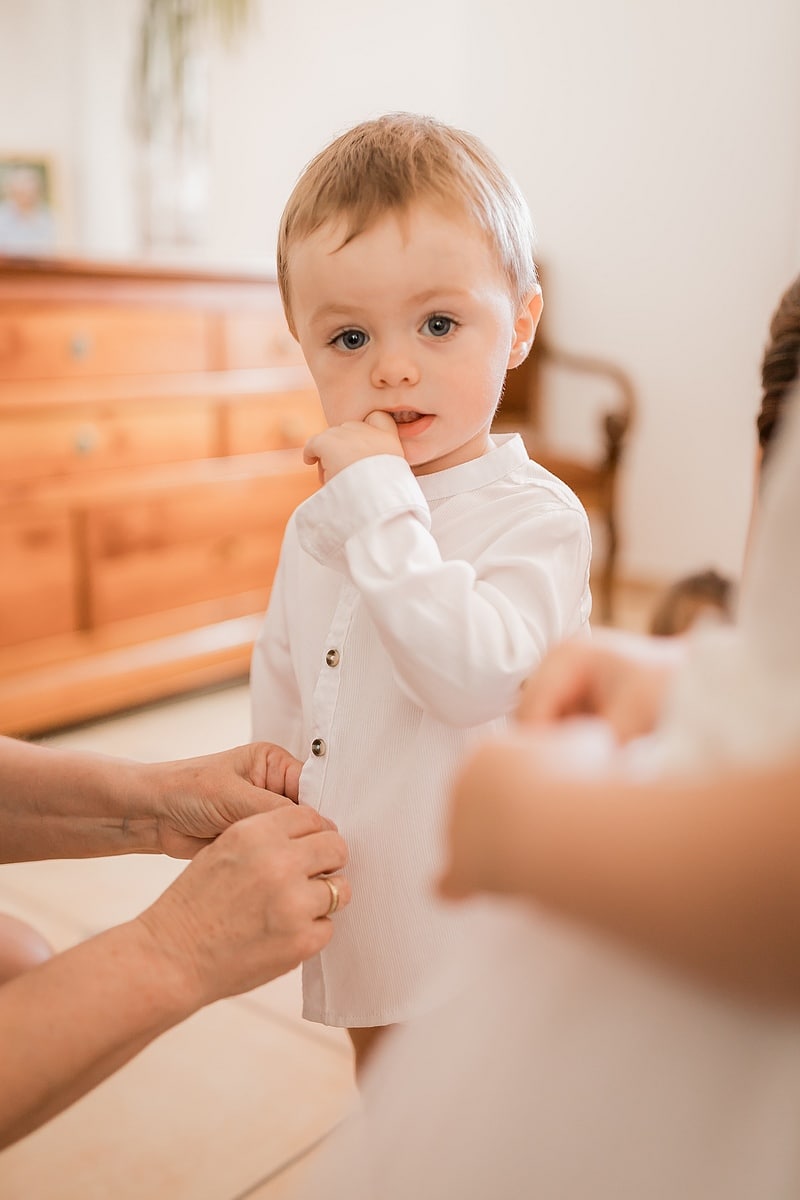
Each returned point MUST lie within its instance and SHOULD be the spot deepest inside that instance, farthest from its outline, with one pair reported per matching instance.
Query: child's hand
(340, 445)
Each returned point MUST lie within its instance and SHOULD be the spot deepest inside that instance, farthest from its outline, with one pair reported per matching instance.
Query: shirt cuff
(361, 496)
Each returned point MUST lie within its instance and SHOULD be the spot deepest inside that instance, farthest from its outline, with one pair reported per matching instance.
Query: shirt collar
(507, 451)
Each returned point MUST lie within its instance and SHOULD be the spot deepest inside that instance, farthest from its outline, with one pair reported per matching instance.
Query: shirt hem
(360, 1021)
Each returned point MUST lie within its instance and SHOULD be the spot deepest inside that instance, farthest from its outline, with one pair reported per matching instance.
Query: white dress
(557, 1067)
(404, 616)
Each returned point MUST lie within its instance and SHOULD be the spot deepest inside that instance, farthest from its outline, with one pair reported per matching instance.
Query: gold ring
(334, 904)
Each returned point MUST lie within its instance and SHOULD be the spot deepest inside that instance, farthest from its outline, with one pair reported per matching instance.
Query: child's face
(413, 317)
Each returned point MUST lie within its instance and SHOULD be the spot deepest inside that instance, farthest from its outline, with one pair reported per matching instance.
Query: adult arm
(65, 804)
(699, 872)
(247, 909)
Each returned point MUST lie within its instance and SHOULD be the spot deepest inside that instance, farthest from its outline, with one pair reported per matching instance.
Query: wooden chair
(524, 410)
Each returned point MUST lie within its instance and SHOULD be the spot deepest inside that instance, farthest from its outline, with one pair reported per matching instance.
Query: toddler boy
(419, 587)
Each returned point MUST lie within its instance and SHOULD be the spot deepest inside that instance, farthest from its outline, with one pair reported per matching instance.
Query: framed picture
(27, 223)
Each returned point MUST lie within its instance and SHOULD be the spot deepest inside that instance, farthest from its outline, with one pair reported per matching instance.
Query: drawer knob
(86, 439)
(79, 345)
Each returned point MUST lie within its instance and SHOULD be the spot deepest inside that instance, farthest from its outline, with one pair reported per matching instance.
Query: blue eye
(350, 339)
(439, 326)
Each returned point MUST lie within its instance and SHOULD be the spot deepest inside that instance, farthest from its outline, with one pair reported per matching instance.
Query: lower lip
(410, 429)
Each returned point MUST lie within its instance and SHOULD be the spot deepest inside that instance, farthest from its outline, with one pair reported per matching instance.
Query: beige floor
(231, 1104)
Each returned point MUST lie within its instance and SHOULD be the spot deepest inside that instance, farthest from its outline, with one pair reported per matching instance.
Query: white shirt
(405, 614)
(556, 1066)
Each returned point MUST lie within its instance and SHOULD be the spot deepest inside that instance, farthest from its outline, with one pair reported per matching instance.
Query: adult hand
(341, 445)
(622, 678)
(249, 907)
(197, 798)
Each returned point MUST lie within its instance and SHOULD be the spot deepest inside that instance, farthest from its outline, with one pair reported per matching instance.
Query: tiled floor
(231, 1104)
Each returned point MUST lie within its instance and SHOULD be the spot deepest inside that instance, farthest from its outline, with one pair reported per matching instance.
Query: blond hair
(387, 164)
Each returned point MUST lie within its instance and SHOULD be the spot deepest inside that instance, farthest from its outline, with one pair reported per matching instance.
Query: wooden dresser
(151, 426)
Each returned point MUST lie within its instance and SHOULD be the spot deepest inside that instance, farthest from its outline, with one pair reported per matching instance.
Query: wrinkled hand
(250, 906)
(621, 678)
(341, 445)
(197, 798)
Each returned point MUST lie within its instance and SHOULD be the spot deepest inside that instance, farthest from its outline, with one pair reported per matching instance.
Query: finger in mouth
(406, 416)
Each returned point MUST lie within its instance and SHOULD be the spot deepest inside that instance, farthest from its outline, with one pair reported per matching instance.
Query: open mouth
(410, 423)
(407, 416)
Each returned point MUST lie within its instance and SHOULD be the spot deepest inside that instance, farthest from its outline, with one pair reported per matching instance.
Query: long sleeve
(462, 632)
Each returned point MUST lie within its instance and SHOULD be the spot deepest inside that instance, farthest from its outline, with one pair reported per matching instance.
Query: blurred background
(658, 145)
(153, 407)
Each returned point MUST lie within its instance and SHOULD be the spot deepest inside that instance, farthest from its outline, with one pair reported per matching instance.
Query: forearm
(701, 873)
(56, 804)
(74, 1020)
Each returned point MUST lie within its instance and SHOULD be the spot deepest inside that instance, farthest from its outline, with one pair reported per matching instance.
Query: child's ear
(525, 328)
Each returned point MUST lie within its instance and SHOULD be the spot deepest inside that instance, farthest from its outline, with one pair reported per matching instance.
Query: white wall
(65, 70)
(659, 146)
(39, 67)
(309, 72)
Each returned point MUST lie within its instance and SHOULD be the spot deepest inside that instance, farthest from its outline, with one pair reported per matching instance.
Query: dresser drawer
(150, 426)
(92, 340)
(174, 549)
(278, 421)
(48, 443)
(38, 597)
(259, 338)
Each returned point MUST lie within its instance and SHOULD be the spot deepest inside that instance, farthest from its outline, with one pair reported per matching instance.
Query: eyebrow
(325, 311)
(330, 310)
(447, 292)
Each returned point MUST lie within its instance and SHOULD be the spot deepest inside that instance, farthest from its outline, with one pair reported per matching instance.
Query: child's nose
(394, 367)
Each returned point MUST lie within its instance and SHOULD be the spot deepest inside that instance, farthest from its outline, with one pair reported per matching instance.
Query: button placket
(326, 692)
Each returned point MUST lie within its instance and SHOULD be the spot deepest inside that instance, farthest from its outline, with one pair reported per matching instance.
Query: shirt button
(332, 658)
(318, 747)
